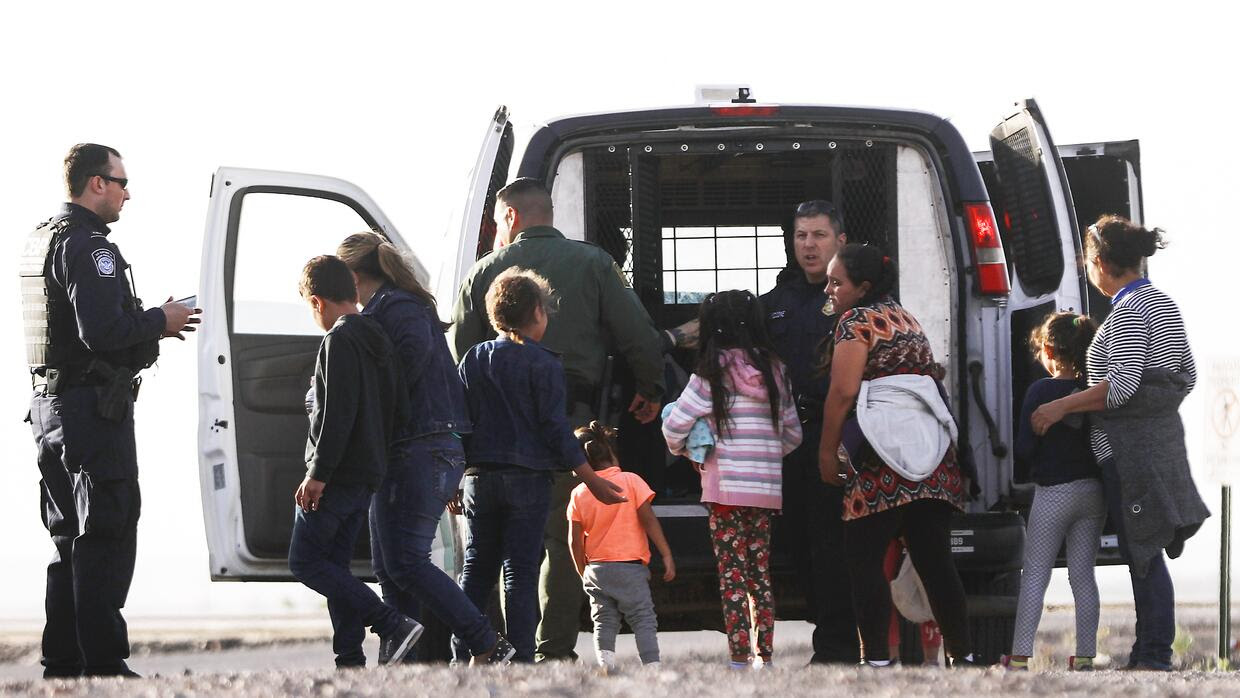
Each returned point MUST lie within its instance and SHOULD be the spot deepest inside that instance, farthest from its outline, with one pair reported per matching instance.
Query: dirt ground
(290, 659)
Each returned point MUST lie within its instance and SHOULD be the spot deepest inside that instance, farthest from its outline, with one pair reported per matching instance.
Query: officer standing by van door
(87, 337)
(798, 321)
(598, 314)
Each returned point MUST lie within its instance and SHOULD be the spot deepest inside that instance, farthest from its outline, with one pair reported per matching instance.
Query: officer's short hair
(328, 277)
(821, 207)
(85, 160)
(529, 197)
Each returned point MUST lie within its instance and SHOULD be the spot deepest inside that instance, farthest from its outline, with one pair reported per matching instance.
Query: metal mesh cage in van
(683, 220)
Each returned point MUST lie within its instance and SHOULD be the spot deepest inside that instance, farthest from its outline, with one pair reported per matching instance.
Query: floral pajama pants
(741, 537)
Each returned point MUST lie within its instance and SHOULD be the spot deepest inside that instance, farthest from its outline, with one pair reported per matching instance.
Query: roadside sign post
(1222, 434)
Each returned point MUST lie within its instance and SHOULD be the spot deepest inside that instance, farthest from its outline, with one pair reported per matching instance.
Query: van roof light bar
(727, 94)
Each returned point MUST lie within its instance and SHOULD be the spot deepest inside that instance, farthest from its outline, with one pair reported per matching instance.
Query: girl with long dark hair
(739, 386)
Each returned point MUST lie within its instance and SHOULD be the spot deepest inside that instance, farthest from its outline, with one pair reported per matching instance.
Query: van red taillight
(988, 257)
(744, 111)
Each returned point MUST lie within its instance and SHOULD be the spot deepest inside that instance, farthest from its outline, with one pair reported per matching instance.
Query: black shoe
(969, 662)
(122, 672)
(395, 645)
(501, 654)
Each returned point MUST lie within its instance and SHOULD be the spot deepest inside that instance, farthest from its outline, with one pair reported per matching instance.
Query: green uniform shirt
(598, 312)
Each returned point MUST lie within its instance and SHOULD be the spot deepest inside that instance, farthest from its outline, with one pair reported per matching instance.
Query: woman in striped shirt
(739, 387)
(1143, 332)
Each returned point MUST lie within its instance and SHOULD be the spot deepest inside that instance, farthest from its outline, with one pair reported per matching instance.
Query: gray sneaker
(395, 645)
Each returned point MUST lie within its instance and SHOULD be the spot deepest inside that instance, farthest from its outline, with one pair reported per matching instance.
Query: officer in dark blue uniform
(811, 528)
(87, 337)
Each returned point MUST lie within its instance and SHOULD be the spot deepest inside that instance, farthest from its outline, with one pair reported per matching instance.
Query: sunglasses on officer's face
(123, 181)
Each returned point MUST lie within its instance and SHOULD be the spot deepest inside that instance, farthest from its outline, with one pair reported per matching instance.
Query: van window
(276, 235)
(698, 261)
(1025, 214)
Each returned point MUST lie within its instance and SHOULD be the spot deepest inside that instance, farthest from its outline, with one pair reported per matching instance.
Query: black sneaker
(502, 654)
(967, 662)
(123, 671)
(395, 645)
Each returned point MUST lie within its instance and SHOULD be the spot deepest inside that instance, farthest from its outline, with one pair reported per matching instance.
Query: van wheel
(992, 598)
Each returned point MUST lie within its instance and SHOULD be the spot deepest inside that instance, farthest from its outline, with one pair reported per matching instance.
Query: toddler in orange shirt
(609, 547)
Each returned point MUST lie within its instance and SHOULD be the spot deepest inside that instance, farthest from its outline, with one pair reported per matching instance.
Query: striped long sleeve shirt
(1143, 331)
(745, 468)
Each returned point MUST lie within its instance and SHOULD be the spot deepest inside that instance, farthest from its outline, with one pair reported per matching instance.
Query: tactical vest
(47, 314)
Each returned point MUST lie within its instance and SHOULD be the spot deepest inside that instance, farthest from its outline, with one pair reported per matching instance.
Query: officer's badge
(105, 263)
(778, 314)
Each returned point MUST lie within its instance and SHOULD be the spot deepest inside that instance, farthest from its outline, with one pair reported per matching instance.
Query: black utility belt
(55, 381)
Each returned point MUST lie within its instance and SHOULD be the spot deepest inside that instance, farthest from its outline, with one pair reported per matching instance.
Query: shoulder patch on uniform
(105, 263)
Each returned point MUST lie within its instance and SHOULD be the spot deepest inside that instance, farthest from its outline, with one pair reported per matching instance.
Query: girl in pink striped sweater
(740, 389)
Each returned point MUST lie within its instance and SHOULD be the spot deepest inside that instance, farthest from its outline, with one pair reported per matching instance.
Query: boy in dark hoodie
(354, 409)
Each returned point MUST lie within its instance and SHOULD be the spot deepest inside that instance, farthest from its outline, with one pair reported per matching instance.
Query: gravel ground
(240, 664)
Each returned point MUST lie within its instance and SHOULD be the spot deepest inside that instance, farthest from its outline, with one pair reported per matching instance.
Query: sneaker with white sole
(395, 645)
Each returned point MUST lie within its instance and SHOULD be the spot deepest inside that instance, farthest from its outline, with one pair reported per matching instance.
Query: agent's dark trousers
(91, 502)
(1153, 595)
(319, 555)
(925, 525)
(810, 528)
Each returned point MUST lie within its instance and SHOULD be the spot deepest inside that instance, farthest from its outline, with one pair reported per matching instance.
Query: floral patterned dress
(897, 345)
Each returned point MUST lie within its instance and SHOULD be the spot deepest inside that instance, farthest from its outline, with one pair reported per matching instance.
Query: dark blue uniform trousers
(90, 502)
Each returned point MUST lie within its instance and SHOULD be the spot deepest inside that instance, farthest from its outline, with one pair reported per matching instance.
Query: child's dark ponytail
(599, 442)
(1069, 336)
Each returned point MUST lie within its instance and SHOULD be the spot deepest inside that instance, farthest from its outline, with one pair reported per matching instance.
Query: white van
(689, 200)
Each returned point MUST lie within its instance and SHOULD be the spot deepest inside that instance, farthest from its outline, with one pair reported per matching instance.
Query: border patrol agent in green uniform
(598, 314)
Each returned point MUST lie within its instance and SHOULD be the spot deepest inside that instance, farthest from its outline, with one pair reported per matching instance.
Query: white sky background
(396, 100)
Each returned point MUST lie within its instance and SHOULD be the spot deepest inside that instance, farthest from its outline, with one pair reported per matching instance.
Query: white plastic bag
(908, 594)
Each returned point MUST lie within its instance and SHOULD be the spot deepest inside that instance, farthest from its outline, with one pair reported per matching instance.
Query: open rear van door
(473, 234)
(1034, 210)
(256, 351)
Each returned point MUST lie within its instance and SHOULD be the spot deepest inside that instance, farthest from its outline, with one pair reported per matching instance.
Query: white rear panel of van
(927, 270)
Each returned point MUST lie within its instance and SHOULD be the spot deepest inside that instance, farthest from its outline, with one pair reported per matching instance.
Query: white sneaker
(607, 660)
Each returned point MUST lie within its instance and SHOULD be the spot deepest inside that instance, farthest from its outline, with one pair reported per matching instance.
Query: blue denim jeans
(1153, 595)
(319, 555)
(505, 512)
(404, 518)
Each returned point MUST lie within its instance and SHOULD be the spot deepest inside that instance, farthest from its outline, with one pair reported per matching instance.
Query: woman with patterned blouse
(876, 338)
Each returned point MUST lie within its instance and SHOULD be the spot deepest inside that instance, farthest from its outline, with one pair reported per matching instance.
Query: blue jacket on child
(516, 395)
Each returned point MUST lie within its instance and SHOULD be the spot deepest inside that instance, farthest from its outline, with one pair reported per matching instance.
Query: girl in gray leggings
(1068, 508)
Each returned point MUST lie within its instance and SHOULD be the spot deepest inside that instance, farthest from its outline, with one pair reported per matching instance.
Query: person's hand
(644, 410)
(669, 568)
(700, 467)
(834, 473)
(606, 491)
(455, 506)
(1047, 416)
(309, 493)
(179, 318)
